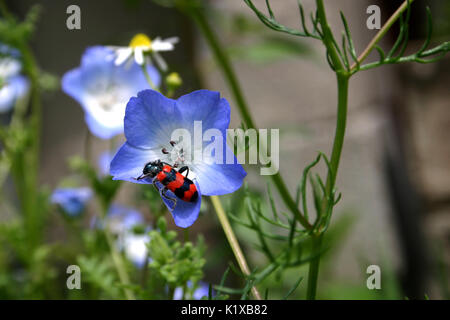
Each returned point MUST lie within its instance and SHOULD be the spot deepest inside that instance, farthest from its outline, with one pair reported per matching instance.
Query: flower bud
(173, 81)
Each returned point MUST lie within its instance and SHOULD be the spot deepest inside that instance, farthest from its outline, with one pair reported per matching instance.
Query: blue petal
(129, 162)
(72, 200)
(150, 119)
(104, 162)
(127, 217)
(15, 88)
(100, 130)
(205, 106)
(97, 78)
(219, 179)
(185, 213)
(202, 291)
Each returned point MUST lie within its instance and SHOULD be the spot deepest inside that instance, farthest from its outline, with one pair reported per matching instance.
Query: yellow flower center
(140, 40)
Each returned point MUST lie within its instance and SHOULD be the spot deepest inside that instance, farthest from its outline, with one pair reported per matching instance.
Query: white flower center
(178, 154)
(9, 67)
(107, 101)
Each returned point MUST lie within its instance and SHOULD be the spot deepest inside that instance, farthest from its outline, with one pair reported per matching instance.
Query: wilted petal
(160, 61)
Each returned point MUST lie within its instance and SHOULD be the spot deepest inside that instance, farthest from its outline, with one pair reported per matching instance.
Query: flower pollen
(140, 40)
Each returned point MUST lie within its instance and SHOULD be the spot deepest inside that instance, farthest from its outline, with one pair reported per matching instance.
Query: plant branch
(234, 244)
(120, 268)
(225, 64)
(328, 38)
(380, 34)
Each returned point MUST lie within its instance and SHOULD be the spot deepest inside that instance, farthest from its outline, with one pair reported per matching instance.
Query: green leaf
(271, 49)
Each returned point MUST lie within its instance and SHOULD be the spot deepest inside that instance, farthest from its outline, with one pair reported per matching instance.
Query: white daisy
(139, 45)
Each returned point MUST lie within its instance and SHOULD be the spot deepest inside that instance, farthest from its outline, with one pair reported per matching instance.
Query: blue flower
(72, 200)
(135, 248)
(120, 221)
(151, 119)
(201, 291)
(13, 85)
(103, 89)
(104, 162)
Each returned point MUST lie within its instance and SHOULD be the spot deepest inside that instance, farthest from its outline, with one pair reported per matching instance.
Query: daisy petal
(139, 56)
(160, 61)
(163, 46)
(122, 55)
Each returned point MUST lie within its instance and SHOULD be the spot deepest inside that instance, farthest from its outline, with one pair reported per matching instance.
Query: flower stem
(313, 273)
(115, 255)
(230, 76)
(342, 78)
(148, 78)
(118, 263)
(380, 34)
(233, 241)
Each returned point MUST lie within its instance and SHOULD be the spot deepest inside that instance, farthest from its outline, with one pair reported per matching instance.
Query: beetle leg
(167, 164)
(183, 169)
(142, 176)
(155, 179)
(164, 195)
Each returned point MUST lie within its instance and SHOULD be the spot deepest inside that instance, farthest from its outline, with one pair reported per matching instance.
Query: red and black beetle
(171, 179)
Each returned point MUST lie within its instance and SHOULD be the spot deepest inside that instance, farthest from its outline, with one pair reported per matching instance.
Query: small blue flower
(103, 89)
(150, 120)
(135, 248)
(120, 221)
(104, 162)
(13, 85)
(201, 291)
(72, 200)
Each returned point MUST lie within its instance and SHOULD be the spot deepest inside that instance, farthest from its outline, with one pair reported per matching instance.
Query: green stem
(234, 244)
(115, 255)
(148, 78)
(118, 263)
(225, 64)
(342, 82)
(380, 34)
(338, 143)
(313, 273)
(328, 39)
